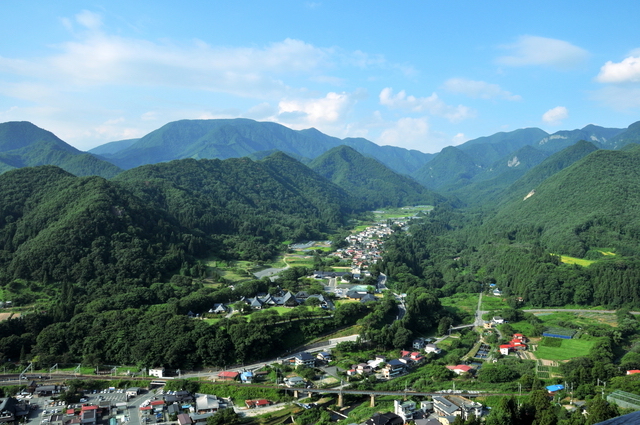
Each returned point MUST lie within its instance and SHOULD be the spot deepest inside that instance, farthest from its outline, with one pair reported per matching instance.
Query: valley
(242, 264)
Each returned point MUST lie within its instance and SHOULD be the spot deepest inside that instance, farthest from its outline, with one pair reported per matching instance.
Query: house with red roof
(228, 375)
(633, 372)
(460, 369)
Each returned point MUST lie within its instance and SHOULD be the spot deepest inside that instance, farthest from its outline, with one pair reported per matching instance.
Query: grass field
(573, 260)
(469, 302)
(569, 348)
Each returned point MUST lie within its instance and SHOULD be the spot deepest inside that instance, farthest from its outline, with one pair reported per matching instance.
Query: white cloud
(555, 116)
(459, 139)
(410, 133)
(478, 89)
(432, 104)
(533, 50)
(304, 113)
(89, 20)
(622, 72)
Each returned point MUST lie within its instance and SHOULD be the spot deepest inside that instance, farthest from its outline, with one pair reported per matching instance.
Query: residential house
(497, 320)
(393, 368)
(206, 403)
(304, 358)
(184, 419)
(419, 343)
(363, 369)
(246, 377)
(251, 404)
(432, 348)
(324, 356)
(454, 405)
(460, 369)
(228, 375)
(385, 419)
(294, 381)
(219, 308)
(11, 409)
(368, 298)
(406, 410)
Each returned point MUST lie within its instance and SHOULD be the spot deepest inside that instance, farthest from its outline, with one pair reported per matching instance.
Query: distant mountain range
(474, 172)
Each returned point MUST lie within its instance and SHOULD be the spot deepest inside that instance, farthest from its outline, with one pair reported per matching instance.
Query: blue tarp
(554, 388)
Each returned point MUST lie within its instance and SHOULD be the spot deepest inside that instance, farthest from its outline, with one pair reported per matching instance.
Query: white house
(158, 373)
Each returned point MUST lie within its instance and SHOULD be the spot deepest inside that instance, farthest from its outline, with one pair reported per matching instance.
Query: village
(316, 378)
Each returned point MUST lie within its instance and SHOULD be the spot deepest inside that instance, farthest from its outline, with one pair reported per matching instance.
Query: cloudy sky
(417, 74)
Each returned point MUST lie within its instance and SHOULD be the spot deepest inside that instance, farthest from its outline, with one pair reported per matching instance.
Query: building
(393, 368)
(132, 392)
(324, 356)
(294, 381)
(432, 348)
(453, 405)
(385, 419)
(206, 403)
(11, 410)
(460, 369)
(304, 359)
(246, 377)
(552, 389)
(406, 410)
(158, 373)
(228, 375)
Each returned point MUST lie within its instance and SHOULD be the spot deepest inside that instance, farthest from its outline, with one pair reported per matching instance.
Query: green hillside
(450, 167)
(630, 135)
(369, 181)
(592, 203)
(553, 164)
(22, 144)
(488, 185)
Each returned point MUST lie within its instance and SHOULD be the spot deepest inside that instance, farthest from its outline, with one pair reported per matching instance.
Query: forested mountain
(564, 138)
(488, 185)
(489, 149)
(150, 220)
(233, 138)
(22, 144)
(629, 135)
(369, 181)
(556, 162)
(450, 167)
(592, 203)
(112, 147)
(56, 227)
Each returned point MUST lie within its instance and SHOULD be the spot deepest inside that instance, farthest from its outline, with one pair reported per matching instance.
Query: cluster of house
(281, 299)
(443, 410)
(388, 368)
(365, 248)
(517, 343)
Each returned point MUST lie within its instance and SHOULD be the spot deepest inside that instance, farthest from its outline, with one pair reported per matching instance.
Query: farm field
(568, 349)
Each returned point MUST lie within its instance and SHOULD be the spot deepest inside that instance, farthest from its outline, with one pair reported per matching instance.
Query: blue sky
(417, 74)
